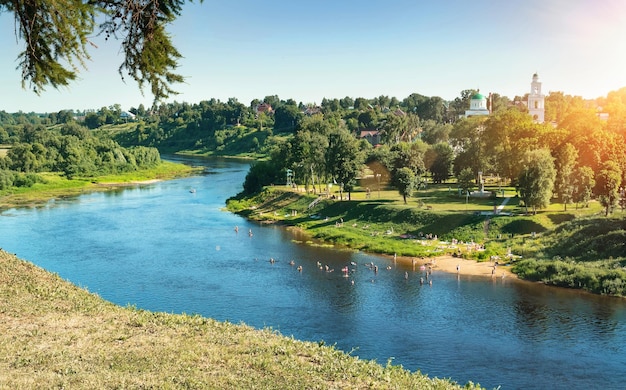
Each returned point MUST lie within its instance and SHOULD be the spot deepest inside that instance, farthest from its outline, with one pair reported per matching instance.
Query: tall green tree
(434, 133)
(466, 180)
(565, 164)
(344, 159)
(536, 180)
(286, 118)
(309, 151)
(608, 182)
(22, 158)
(467, 139)
(441, 166)
(408, 155)
(584, 183)
(462, 103)
(507, 136)
(393, 128)
(405, 181)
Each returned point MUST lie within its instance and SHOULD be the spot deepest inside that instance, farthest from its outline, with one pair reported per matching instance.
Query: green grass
(56, 335)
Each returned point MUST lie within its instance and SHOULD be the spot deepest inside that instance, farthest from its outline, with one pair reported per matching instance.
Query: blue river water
(164, 247)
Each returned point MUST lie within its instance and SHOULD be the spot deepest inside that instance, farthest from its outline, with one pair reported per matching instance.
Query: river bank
(56, 186)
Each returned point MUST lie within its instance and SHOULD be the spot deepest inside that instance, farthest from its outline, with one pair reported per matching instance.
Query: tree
(408, 155)
(584, 183)
(536, 180)
(499, 102)
(609, 179)
(308, 151)
(57, 33)
(466, 180)
(468, 141)
(462, 103)
(559, 106)
(286, 117)
(344, 160)
(405, 181)
(393, 128)
(507, 136)
(565, 162)
(261, 173)
(93, 120)
(22, 158)
(434, 133)
(441, 167)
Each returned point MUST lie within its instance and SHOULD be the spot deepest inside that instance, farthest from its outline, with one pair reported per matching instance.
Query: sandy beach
(465, 267)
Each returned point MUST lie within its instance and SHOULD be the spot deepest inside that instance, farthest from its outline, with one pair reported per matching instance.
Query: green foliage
(261, 174)
(465, 180)
(588, 239)
(56, 35)
(573, 275)
(405, 179)
(441, 166)
(536, 180)
(584, 183)
(74, 151)
(608, 182)
(10, 179)
(565, 162)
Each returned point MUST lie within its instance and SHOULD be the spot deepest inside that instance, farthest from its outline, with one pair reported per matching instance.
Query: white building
(536, 100)
(478, 106)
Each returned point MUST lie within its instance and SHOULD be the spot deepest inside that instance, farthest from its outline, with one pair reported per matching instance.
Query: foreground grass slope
(56, 335)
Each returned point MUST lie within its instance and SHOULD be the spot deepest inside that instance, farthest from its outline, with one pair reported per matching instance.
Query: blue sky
(310, 50)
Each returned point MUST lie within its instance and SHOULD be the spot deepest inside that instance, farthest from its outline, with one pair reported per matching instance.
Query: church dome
(478, 96)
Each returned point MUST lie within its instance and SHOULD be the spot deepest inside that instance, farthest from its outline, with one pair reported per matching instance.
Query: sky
(306, 51)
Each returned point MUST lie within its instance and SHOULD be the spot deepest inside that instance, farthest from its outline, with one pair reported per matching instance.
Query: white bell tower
(536, 100)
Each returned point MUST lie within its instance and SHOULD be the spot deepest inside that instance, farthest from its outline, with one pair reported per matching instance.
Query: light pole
(378, 180)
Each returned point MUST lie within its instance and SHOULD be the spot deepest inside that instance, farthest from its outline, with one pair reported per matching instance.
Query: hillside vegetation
(56, 335)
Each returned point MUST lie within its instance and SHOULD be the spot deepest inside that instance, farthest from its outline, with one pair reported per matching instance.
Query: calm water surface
(162, 247)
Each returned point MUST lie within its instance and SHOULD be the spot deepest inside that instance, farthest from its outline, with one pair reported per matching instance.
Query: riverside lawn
(438, 222)
(56, 335)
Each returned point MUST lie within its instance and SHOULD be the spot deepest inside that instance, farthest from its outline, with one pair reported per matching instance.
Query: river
(169, 246)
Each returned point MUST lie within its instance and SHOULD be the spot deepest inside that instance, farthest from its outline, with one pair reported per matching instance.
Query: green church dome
(478, 96)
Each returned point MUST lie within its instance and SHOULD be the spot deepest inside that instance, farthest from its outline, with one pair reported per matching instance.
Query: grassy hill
(56, 335)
